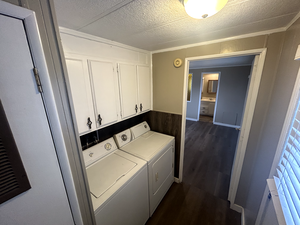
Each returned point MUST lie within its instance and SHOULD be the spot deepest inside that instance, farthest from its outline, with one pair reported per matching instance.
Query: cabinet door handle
(99, 119)
(141, 107)
(136, 108)
(89, 123)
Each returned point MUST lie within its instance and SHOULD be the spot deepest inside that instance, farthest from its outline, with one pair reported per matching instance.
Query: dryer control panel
(123, 138)
(139, 129)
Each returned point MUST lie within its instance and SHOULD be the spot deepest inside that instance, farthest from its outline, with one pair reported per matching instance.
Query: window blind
(287, 178)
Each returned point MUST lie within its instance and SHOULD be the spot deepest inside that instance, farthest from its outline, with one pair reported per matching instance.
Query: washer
(158, 150)
(118, 185)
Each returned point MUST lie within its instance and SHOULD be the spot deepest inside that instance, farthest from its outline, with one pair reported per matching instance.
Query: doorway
(248, 108)
(208, 95)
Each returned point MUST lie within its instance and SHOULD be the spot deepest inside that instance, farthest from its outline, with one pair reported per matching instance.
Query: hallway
(201, 199)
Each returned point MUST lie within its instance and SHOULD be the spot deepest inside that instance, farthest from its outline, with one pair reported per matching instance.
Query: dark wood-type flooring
(201, 199)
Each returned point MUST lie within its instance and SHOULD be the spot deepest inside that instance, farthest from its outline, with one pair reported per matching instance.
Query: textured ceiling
(158, 24)
(222, 62)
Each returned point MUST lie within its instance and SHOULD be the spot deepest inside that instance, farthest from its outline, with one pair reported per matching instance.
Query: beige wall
(168, 97)
(286, 69)
(168, 80)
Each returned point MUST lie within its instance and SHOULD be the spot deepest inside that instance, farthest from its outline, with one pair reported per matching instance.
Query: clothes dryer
(158, 150)
(118, 185)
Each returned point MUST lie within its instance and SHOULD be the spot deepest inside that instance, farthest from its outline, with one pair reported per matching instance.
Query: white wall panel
(79, 43)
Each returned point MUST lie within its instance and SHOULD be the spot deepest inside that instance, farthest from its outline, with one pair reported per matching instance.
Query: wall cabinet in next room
(94, 93)
(135, 89)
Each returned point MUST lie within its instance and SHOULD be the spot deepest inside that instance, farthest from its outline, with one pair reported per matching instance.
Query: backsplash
(165, 123)
(93, 138)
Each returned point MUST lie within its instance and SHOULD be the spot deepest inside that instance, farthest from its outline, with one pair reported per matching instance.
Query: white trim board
(226, 125)
(292, 21)
(246, 125)
(217, 98)
(240, 210)
(222, 40)
(192, 119)
(176, 180)
(163, 111)
(203, 68)
(99, 39)
(200, 95)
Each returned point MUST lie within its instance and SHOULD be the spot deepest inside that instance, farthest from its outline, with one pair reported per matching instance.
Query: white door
(144, 81)
(128, 89)
(104, 84)
(46, 202)
(81, 94)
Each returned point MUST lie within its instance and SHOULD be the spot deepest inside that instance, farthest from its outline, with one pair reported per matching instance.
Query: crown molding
(266, 32)
(293, 21)
(99, 39)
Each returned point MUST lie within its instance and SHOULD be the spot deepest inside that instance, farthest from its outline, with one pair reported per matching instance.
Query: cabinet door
(81, 94)
(105, 94)
(144, 88)
(128, 89)
(211, 108)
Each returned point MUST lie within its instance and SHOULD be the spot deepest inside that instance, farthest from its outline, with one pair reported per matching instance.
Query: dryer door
(161, 169)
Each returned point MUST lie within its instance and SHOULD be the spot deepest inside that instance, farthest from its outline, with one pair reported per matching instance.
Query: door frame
(70, 179)
(217, 98)
(246, 124)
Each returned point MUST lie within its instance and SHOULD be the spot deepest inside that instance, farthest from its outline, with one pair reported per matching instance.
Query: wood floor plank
(201, 199)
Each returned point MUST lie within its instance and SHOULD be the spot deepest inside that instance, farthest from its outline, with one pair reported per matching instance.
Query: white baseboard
(176, 180)
(243, 218)
(226, 125)
(239, 209)
(191, 119)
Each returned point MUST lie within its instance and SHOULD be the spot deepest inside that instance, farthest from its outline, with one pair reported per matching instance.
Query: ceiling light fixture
(200, 9)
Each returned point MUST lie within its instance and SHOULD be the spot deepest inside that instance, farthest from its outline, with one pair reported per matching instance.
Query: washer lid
(104, 174)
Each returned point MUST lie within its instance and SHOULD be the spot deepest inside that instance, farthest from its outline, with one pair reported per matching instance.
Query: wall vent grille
(8, 181)
(13, 178)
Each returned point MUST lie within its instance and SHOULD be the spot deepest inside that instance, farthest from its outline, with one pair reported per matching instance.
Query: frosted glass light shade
(200, 9)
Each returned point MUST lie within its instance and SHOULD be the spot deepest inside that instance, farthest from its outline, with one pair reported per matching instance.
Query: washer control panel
(123, 138)
(98, 151)
(108, 146)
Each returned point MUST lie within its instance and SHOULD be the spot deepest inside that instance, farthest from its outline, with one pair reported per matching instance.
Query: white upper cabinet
(128, 89)
(81, 94)
(101, 96)
(144, 88)
(105, 89)
(109, 82)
